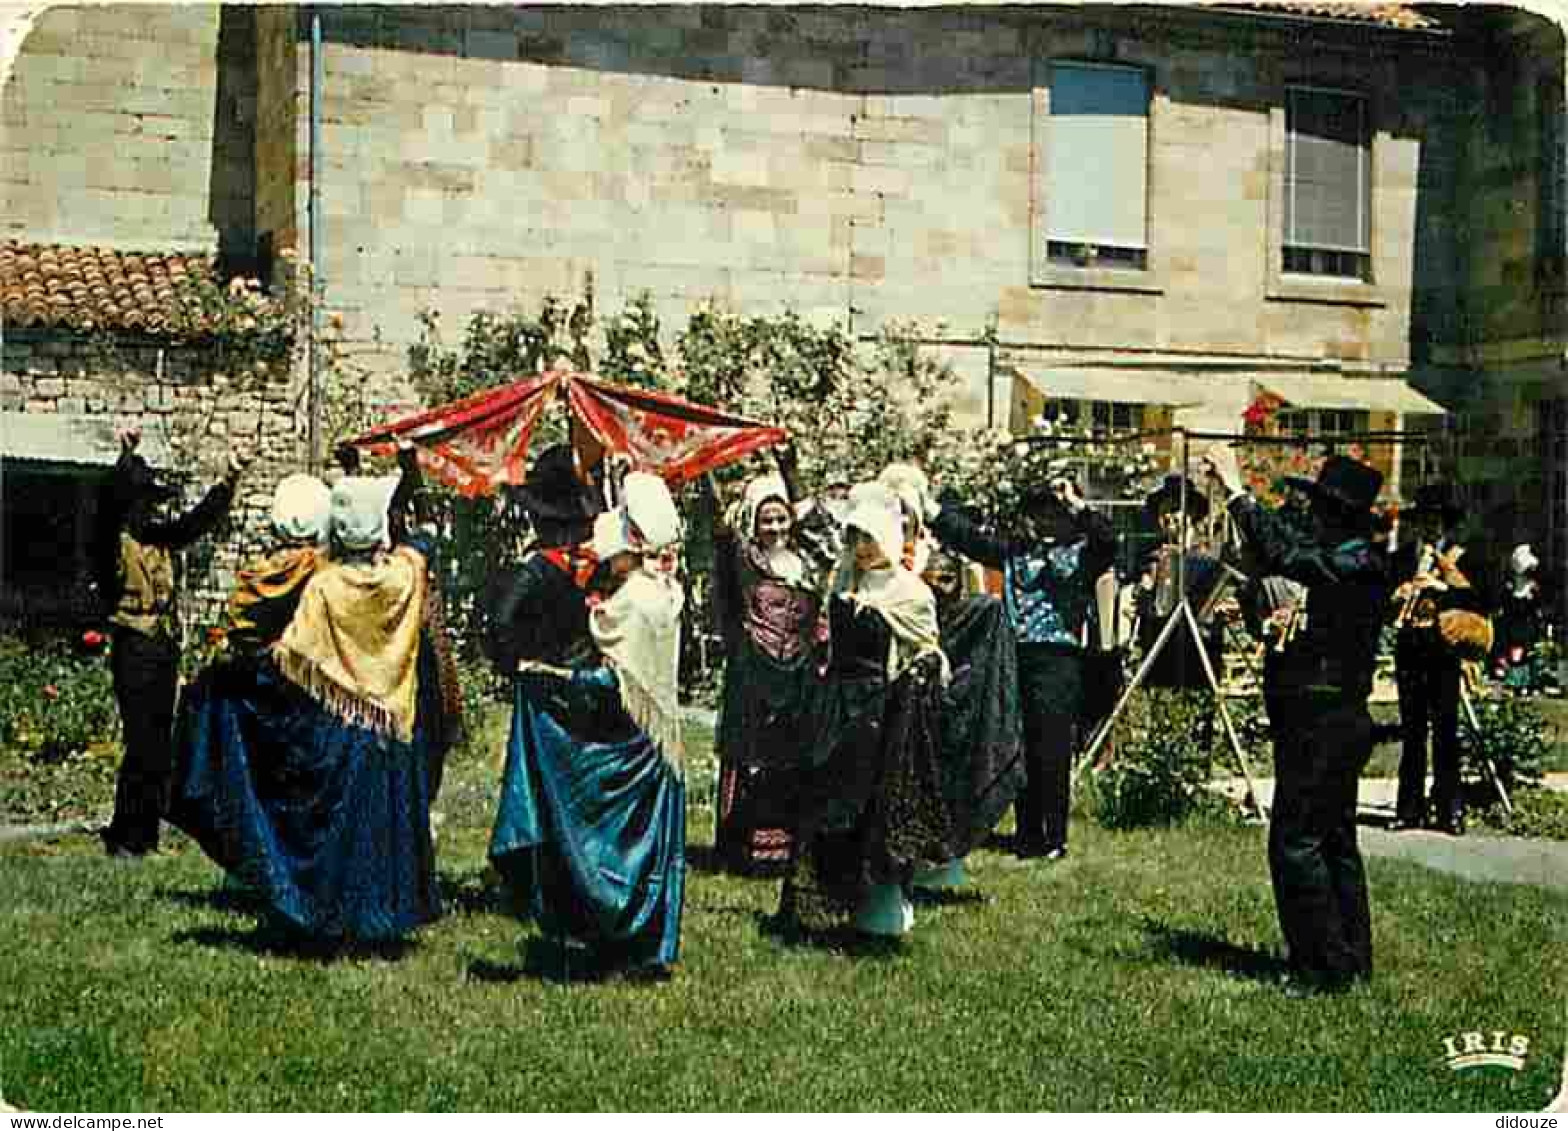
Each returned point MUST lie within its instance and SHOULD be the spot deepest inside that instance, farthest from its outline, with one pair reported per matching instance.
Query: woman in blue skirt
(591, 830)
(307, 771)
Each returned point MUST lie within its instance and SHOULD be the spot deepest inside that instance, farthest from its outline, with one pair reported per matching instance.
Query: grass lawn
(1132, 976)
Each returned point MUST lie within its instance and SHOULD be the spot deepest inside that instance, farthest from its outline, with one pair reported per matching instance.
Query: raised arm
(408, 494)
(180, 532)
(957, 531)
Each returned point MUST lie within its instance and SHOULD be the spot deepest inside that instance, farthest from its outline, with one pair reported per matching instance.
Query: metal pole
(317, 80)
(1219, 703)
(1181, 547)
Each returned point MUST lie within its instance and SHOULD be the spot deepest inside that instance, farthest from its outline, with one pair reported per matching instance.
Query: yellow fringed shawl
(273, 578)
(353, 644)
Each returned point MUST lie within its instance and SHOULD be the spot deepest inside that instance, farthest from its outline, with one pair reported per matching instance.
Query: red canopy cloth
(480, 443)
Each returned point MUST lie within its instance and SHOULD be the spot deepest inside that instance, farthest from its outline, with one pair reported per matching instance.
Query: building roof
(92, 288)
(1401, 16)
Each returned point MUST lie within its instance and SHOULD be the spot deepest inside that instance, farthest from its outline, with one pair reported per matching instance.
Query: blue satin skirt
(325, 824)
(591, 831)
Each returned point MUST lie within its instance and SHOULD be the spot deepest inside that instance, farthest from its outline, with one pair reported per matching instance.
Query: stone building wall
(108, 133)
(177, 402)
(863, 165)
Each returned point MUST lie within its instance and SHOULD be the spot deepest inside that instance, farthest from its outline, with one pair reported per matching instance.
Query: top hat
(1436, 498)
(1345, 482)
(553, 491)
(1168, 494)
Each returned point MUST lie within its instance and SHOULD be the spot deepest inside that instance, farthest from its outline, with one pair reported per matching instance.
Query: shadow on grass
(1200, 948)
(280, 942)
(227, 898)
(553, 960)
(843, 940)
(473, 893)
(949, 897)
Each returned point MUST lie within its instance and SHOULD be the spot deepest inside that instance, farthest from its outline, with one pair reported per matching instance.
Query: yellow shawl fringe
(353, 645)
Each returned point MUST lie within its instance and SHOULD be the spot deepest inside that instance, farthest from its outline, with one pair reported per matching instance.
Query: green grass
(1128, 977)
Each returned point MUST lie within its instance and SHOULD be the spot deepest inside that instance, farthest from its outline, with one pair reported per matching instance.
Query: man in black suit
(1430, 581)
(1324, 733)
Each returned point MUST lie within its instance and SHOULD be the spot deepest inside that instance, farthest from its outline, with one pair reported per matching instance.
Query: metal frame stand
(1476, 732)
(1181, 616)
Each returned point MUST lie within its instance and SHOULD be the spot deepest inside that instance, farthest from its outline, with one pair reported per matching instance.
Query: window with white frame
(1328, 184)
(1096, 166)
(1323, 422)
(1099, 418)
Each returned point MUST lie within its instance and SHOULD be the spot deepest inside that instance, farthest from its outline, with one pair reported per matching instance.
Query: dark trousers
(1050, 692)
(146, 670)
(1428, 677)
(1321, 745)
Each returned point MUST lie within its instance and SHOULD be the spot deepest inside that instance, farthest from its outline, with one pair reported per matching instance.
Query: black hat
(1346, 482)
(1168, 495)
(553, 491)
(1436, 498)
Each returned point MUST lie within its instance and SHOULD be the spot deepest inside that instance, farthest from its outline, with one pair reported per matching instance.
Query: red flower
(51, 691)
(92, 639)
(215, 635)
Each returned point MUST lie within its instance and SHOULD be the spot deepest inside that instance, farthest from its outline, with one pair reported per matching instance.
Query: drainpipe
(317, 283)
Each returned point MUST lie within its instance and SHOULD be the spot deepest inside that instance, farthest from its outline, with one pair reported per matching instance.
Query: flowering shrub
(56, 703)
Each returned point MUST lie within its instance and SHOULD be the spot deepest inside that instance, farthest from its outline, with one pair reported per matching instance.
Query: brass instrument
(1289, 626)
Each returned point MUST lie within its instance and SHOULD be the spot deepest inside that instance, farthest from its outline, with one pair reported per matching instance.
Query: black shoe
(116, 850)
(1308, 984)
(1057, 853)
(1405, 824)
(1454, 826)
(1031, 849)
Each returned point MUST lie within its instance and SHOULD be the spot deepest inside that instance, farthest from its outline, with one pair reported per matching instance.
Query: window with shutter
(1096, 168)
(1328, 182)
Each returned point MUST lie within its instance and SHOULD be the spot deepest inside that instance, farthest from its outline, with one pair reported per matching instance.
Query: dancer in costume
(537, 610)
(872, 810)
(765, 599)
(308, 772)
(981, 722)
(1050, 563)
(591, 829)
(138, 581)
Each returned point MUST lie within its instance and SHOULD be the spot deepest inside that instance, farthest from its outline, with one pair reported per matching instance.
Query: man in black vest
(1323, 679)
(138, 536)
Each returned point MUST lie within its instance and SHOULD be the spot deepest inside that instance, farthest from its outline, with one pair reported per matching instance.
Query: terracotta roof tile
(1402, 16)
(55, 285)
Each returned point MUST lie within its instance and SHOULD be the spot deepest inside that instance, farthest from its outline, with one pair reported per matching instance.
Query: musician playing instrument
(1179, 665)
(1430, 581)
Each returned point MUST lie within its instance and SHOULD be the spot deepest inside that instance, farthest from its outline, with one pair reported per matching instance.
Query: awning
(1329, 390)
(1114, 385)
(62, 438)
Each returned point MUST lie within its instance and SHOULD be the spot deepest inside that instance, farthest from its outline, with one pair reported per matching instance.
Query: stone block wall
(863, 165)
(108, 133)
(178, 401)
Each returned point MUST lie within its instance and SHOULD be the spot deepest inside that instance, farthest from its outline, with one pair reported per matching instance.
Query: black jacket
(1347, 602)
